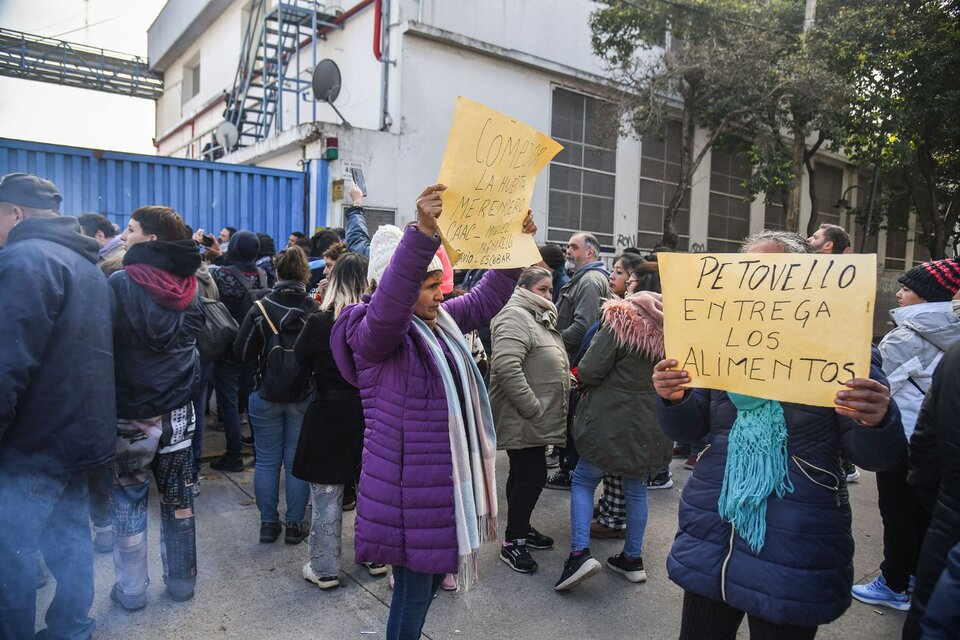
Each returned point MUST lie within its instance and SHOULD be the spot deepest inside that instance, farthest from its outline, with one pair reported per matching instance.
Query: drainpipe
(381, 51)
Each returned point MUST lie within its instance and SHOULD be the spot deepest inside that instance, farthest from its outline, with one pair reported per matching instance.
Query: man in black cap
(57, 405)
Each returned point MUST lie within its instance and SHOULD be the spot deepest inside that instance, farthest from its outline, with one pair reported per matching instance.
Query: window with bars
(774, 216)
(829, 182)
(583, 175)
(659, 177)
(896, 254)
(728, 220)
(920, 252)
(375, 217)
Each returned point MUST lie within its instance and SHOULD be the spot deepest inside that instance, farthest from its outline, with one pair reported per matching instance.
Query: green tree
(901, 60)
(705, 63)
(735, 68)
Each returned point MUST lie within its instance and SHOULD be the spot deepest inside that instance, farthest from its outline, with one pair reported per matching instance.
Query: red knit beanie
(936, 281)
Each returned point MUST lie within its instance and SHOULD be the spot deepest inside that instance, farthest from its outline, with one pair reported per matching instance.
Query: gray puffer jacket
(912, 351)
(529, 374)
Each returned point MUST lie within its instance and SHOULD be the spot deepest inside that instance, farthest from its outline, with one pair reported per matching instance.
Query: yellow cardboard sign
(784, 327)
(490, 167)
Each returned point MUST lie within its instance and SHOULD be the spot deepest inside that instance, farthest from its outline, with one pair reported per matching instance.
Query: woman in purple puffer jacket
(427, 493)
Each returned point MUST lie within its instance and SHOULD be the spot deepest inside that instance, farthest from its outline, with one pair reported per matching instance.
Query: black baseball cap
(30, 191)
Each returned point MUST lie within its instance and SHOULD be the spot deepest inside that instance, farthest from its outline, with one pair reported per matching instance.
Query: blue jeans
(277, 428)
(50, 516)
(412, 594)
(200, 408)
(226, 380)
(586, 477)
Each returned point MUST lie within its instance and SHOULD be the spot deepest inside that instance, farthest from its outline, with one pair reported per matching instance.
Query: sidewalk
(252, 590)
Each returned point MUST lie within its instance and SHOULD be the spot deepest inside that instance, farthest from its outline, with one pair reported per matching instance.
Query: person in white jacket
(925, 325)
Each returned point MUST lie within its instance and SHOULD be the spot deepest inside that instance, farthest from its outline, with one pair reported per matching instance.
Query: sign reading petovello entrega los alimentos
(784, 327)
(490, 167)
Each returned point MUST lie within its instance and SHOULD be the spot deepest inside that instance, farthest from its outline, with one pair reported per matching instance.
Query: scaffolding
(31, 57)
(273, 38)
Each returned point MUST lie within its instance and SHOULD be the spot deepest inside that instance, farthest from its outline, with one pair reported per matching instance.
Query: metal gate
(211, 195)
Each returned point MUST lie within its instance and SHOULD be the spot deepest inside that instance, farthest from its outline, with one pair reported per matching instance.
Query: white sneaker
(324, 582)
(375, 568)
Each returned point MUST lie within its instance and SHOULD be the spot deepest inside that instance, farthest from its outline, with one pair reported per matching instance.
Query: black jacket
(56, 355)
(156, 359)
(935, 472)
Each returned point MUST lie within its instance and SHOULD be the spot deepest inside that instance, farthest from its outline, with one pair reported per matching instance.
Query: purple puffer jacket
(405, 507)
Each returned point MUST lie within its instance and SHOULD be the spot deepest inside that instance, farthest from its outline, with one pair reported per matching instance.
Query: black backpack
(250, 293)
(219, 330)
(281, 377)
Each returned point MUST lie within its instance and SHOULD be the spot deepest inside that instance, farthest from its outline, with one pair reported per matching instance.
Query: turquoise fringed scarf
(756, 467)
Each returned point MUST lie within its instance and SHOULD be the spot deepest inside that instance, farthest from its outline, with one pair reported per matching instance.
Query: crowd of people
(377, 379)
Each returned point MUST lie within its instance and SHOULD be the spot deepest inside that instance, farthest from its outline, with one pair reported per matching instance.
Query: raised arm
(358, 235)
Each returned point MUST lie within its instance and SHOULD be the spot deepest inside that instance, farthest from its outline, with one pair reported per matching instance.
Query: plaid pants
(613, 506)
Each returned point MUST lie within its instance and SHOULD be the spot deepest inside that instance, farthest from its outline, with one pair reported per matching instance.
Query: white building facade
(530, 59)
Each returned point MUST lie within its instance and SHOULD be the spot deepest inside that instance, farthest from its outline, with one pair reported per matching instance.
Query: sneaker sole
(632, 576)
(589, 568)
(377, 571)
(654, 487)
(321, 583)
(514, 567)
(899, 606)
(560, 487)
(531, 545)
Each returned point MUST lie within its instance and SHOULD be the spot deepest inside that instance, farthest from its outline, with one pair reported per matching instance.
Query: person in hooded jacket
(234, 277)
(277, 422)
(616, 433)
(529, 391)
(157, 369)
(427, 495)
(57, 320)
(775, 547)
(924, 328)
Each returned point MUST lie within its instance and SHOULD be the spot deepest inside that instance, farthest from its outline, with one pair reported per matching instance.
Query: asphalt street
(252, 590)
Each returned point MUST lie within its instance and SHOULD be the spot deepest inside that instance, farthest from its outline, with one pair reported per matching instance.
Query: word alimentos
(760, 308)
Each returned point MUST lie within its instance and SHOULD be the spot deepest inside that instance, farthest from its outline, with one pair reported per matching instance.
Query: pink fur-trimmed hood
(633, 330)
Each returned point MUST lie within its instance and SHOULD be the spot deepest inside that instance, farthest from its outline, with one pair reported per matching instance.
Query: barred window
(659, 177)
(583, 175)
(728, 221)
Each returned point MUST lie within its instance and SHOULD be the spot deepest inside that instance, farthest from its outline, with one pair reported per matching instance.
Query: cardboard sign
(784, 327)
(490, 167)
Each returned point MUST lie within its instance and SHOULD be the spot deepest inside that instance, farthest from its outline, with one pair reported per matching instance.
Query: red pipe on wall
(377, 29)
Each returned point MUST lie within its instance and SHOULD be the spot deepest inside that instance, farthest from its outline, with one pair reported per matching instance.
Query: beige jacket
(529, 374)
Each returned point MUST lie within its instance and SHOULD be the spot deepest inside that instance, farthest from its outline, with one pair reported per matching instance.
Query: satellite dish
(226, 135)
(326, 81)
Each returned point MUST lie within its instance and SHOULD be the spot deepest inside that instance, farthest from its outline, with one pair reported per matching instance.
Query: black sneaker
(632, 569)
(536, 540)
(227, 463)
(270, 531)
(349, 497)
(296, 532)
(660, 481)
(560, 480)
(577, 569)
(248, 441)
(517, 556)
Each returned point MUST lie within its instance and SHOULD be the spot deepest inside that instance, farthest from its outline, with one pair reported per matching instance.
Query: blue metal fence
(211, 195)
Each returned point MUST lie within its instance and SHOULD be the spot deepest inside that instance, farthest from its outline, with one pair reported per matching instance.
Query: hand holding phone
(357, 174)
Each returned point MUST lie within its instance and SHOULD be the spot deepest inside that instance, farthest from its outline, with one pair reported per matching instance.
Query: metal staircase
(275, 33)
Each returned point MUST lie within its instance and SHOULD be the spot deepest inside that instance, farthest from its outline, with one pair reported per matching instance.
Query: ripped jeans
(163, 445)
(326, 528)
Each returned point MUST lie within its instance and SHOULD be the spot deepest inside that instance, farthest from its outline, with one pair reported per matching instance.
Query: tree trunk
(814, 221)
(687, 166)
(793, 202)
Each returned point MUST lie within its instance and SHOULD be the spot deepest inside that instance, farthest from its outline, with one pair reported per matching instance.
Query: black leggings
(706, 619)
(527, 477)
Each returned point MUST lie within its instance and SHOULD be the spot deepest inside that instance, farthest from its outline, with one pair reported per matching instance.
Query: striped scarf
(473, 445)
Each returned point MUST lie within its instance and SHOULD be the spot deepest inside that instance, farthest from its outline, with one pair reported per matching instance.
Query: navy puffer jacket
(804, 572)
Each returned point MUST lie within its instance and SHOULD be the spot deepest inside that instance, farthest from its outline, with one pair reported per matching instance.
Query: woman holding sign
(428, 493)
(764, 519)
